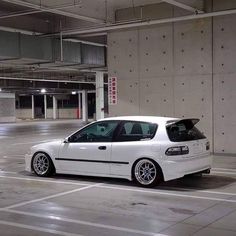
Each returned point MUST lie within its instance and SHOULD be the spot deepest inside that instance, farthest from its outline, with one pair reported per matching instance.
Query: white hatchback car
(142, 148)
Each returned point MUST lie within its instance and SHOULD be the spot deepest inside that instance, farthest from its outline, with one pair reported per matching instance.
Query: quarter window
(97, 132)
(136, 131)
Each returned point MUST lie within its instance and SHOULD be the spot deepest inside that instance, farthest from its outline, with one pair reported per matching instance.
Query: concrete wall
(183, 69)
(23, 113)
(7, 107)
(66, 113)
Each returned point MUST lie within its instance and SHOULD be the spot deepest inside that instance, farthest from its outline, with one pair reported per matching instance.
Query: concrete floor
(74, 205)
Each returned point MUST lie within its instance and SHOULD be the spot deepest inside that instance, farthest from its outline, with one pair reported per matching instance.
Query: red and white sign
(112, 90)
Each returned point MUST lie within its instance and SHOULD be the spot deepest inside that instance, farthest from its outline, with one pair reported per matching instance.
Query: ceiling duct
(21, 49)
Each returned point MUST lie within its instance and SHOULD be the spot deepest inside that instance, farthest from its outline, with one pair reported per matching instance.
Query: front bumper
(185, 166)
(28, 158)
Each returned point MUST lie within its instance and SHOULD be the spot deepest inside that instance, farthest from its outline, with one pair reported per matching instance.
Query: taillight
(207, 145)
(179, 150)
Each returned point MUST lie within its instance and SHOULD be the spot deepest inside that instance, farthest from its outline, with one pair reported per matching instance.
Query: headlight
(179, 150)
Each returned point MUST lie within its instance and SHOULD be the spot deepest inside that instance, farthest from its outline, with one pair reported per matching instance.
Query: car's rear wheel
(146, 173)
(42, 164)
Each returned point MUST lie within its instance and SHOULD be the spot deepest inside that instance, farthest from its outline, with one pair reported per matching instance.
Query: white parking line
(224, 169)
(138, 190)
(43, 180)
(197, 191)
(87, 223)
(223, 172)
(168, 194)
(51, 196)
(36, 228)
(7, 172)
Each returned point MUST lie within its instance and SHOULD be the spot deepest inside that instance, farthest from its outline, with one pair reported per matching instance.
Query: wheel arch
(148, 158)
(48, 155)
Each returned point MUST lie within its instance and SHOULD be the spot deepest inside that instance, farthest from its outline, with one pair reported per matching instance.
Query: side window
(136, 131)
(98, 132)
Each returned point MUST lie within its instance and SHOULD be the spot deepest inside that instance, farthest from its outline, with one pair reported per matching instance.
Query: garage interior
(172, 58)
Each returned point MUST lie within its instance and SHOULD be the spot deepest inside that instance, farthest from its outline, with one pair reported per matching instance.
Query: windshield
(183, 130)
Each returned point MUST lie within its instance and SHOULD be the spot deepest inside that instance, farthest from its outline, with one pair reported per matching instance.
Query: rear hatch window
(183, 130)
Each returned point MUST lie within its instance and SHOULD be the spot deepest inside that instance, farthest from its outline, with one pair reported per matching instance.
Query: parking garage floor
(74, 205)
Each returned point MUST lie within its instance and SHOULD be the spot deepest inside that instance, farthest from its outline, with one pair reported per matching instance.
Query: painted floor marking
(168, 194)
(223, 172)
(7, 172)
(43, 180)
(224, 169)
(87, 223)
(139, 190)
(198, 191)
(36, 228)
(51, 196)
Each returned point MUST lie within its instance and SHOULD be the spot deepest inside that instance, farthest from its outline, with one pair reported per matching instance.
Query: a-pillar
(45, 106)
(84, 106)
(99, 95)
(54, 107)
(32, 104)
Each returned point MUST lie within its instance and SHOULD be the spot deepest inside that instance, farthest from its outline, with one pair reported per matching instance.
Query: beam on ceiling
(48, 80)
(144, 23)
(55, 11)
(24, 13)
(15, 30)
(183, 6)
(85, 42)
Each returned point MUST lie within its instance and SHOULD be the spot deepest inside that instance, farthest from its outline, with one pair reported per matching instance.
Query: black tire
(147, 173)
(42, 164)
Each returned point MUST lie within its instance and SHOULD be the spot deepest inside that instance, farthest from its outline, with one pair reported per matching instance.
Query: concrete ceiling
(50, 17)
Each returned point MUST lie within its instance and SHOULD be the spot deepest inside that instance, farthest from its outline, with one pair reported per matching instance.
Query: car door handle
(102, 148)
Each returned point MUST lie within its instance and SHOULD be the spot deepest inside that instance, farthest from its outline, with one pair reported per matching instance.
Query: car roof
(153, 119)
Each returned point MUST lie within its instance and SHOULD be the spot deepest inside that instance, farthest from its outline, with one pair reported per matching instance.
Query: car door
(133, 141)
(88, 151)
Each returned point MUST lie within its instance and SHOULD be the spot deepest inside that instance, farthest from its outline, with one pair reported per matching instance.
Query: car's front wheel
(146, 173)
(42, 164)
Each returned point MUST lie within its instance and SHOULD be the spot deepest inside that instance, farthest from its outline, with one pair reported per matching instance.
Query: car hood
(46, 145)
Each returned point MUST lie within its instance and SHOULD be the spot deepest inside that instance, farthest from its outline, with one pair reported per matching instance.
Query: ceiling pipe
(55, 11)
(145, 23)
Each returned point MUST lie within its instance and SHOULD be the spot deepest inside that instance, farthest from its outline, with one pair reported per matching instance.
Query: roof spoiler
(189, 123)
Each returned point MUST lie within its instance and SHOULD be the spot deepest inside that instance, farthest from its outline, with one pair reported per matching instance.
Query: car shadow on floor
(187, 183)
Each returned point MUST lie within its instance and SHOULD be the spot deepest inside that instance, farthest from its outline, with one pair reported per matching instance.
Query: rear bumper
(179, 168)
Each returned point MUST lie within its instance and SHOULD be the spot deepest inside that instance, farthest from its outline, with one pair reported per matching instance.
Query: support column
(99, 95)
(45, 106)
(54, 108)
(84, 106)
(32, 104)
(79, 105)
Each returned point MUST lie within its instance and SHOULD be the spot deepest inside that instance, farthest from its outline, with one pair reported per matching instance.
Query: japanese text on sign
(112, 90)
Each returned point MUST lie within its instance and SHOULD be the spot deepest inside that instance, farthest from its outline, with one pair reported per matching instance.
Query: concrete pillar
(54, 108)
(32, 104)
(84, 106)
(45, 106)
(79, 105)
(99, 95)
